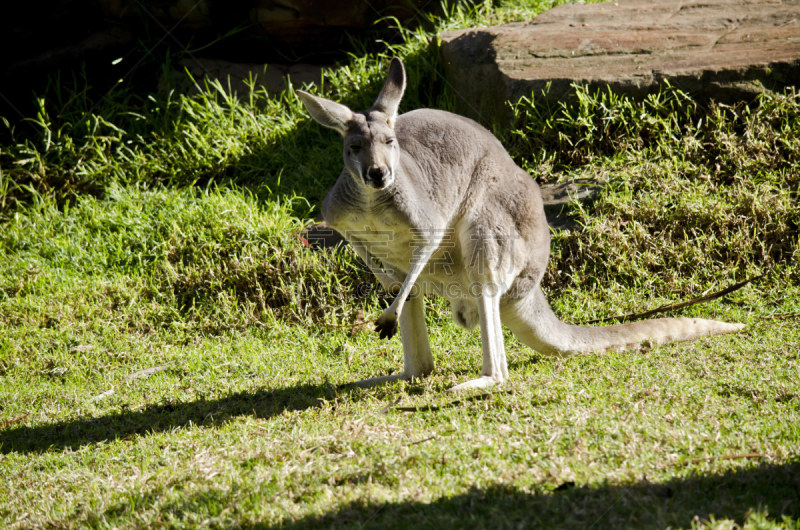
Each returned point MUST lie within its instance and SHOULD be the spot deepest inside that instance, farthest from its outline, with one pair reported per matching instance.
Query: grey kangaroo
(451, 214)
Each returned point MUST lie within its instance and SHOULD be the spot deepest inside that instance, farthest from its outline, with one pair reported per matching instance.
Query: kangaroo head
(371, 152)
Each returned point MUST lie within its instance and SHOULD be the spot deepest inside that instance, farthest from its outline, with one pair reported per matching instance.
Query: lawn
(173, 355)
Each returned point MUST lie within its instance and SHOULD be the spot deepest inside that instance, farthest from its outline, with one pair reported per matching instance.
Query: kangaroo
(451, 214)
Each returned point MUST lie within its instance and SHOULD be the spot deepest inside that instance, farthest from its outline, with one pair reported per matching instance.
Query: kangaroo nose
(377, 173)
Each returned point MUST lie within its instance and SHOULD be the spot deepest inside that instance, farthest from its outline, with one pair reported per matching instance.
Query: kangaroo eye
(390, 141)
(355, 148)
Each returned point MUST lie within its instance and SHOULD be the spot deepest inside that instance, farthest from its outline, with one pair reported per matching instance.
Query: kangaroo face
(371, 152)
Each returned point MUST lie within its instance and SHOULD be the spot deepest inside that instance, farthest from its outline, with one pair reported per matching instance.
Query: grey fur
(438, 200)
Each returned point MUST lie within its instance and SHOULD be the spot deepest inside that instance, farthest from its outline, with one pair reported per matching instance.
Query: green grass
(160, 230)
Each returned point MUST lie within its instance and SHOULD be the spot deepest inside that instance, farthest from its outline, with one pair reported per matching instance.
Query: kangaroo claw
(386, 329)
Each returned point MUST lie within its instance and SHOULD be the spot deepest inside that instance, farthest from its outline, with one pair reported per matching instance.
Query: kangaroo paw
(386, 326)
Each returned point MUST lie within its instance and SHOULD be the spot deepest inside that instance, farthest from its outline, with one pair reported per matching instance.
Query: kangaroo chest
(386, 234)
(396, 229)
(397, 244)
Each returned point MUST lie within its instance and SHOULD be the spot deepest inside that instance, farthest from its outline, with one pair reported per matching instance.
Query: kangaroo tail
(534, 324)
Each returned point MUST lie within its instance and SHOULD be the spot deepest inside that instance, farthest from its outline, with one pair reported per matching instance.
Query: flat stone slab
(725, 50)
(270, 76)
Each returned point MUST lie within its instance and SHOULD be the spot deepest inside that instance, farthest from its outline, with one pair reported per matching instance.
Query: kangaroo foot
(481, 382)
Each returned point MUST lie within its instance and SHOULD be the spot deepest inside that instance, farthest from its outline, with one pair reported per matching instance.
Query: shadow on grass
(162, 417)
(761, 488)
(770, 488)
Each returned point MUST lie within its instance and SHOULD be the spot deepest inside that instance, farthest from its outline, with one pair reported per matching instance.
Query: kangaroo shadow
(164, 416)
(768, 490)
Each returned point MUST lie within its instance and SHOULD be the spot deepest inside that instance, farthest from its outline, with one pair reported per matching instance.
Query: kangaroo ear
(328, 113)
(389, 99)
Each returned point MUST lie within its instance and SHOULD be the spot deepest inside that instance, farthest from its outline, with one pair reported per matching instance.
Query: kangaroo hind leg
(495, 368)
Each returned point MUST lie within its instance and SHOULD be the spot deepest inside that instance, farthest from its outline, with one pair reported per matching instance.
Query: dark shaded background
(78, 41)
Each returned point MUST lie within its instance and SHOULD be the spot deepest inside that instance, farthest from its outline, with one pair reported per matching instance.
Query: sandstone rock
(301, 23)
(272, 76)
(726, 50)
(297, 21)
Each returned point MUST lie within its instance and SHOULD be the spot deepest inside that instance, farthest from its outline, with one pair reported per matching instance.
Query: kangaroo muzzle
(378, 176)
